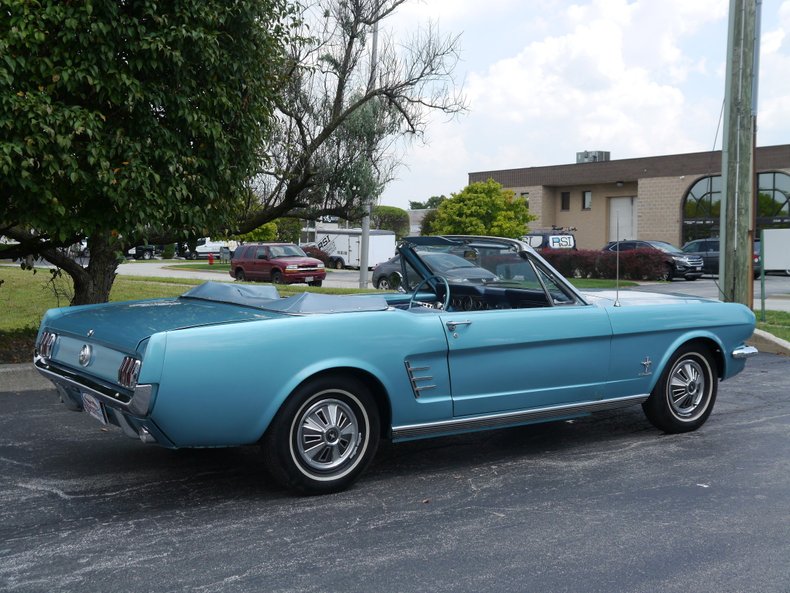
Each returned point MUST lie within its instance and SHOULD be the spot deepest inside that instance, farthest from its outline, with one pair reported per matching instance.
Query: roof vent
(592, 156)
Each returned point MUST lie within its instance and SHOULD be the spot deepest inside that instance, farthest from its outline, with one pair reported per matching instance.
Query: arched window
(702, 205)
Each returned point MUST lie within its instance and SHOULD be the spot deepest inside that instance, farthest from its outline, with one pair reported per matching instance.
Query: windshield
(665, 247)
(488, 262)
(286, 251)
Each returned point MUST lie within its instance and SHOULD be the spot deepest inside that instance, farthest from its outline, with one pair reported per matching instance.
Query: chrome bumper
(745, 352)
(137, 404)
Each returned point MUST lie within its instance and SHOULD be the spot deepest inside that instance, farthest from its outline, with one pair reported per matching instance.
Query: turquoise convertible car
(317, 380)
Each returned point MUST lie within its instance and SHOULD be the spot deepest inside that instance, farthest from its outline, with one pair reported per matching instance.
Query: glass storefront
(702, 205)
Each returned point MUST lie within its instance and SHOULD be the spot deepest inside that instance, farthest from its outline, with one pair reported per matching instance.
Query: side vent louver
(418, 380)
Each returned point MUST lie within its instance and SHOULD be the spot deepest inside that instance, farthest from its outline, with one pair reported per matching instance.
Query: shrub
(315, 252)
(640, 264)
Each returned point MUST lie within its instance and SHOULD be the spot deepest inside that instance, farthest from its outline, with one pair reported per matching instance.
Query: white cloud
(637, 78)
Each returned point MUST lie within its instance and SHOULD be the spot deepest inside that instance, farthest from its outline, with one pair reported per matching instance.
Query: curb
(766, 342)
(21, 377)
(24, 377)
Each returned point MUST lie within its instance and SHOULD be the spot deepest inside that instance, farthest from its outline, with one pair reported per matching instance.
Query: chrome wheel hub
(327, 434)
(687, 388)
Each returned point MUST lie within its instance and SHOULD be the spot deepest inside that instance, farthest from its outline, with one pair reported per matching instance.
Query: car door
(710, 256)
(260, 264)
(515, 359)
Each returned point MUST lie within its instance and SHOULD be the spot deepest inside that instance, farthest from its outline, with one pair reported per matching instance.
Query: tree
(135, 122)
(426, 225)
(351, 92)
(483, 208)
(391, 219)
(265, 232)
(132, 122)
(289, 229)
(432, 202)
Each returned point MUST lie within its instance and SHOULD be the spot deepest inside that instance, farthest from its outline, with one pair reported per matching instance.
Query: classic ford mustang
(317, 380)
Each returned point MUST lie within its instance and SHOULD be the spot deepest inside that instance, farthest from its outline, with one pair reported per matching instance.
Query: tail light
(47, 344)
(128, 372)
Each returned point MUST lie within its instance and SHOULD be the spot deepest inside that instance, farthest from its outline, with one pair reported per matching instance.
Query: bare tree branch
(332, 149)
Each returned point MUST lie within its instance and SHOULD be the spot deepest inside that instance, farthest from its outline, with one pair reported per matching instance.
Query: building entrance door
(622, 219)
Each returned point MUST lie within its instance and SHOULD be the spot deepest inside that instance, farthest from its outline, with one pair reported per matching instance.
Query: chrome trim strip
(138, 404)
(745, 352)
(510, 418)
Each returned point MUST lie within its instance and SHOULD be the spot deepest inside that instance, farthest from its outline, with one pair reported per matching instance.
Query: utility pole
(737, 167)
(364, 248)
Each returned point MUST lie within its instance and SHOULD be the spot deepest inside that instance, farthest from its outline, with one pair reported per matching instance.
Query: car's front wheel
(277, 277)
(383, 284)
(240, 276)
(669, 272)
(685, 393)
(324, 436)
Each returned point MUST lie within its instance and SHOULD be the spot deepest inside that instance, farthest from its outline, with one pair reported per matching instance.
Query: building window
(525, 197)
(565, 200)
(702, 205)
(586, 200)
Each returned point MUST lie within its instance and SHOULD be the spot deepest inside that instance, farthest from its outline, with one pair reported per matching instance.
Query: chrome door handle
(451, 325)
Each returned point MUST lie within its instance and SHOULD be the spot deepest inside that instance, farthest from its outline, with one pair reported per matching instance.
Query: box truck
(343, 246)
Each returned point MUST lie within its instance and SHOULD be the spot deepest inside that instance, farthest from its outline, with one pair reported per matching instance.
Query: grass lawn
(776, 323)
(24, 297)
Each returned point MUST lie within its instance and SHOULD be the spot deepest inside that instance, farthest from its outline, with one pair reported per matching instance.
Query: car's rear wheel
(147, 255)
(383, 283)
(685, 393)
(324, 436)
(240, 276)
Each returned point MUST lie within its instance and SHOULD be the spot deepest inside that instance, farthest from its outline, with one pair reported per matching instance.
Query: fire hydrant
(211, 259)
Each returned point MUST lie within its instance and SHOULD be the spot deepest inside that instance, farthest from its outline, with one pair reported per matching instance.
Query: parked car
(708, 250)
(317, 380)
(279, 263)
(678, 264)
(389, 274)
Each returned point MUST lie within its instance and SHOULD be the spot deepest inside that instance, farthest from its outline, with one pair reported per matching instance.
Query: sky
(545, 79)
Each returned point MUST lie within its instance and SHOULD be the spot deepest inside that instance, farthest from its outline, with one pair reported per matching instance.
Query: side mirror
(396, 281)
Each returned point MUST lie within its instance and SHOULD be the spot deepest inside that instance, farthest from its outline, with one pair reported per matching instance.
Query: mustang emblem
(86, 355)
(648, 364)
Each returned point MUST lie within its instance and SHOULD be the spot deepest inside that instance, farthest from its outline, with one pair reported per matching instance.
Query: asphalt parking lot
(605, 504)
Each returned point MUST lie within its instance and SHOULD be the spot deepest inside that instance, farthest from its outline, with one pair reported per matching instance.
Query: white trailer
(343, 246)
(776, 248)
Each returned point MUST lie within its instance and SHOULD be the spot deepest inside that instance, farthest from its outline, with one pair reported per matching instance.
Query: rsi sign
(561, 242)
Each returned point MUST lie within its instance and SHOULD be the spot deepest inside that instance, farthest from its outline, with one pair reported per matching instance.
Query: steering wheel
(446, 302)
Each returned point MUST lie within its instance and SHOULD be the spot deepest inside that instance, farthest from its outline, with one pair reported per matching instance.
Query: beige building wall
(658, 203)
(592, 226)
(659, 217)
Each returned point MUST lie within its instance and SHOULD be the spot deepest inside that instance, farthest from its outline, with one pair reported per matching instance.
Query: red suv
(279, 263)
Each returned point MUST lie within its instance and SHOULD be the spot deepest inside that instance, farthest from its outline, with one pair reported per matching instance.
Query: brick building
(671, 198)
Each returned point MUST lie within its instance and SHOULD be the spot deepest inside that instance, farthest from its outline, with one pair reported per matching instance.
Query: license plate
(308, 279)
(94, 407)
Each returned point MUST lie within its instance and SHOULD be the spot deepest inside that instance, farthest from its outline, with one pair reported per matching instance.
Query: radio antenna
(617, 262)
